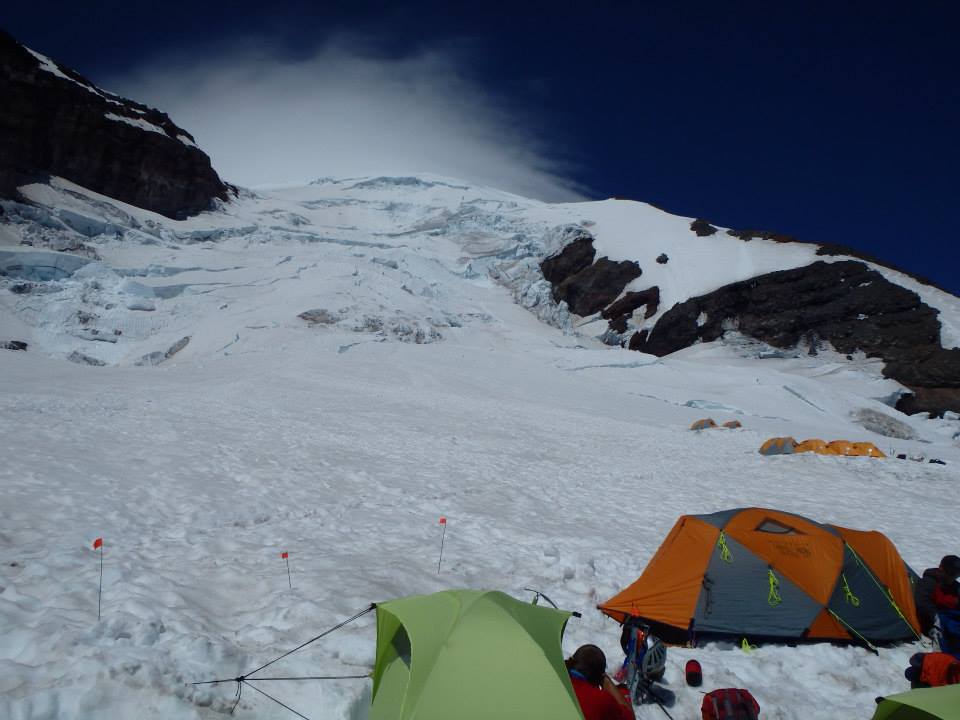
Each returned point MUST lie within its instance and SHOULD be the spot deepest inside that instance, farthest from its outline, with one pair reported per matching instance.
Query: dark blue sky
(833, 122)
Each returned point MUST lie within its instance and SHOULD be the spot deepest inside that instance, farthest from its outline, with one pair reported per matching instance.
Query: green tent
(470, 655)
(941, 703)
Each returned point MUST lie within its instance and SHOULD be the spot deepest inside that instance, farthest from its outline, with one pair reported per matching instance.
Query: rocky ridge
(844, 303)
(53, 121)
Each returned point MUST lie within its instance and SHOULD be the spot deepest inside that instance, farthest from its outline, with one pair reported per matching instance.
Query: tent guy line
(242, 680)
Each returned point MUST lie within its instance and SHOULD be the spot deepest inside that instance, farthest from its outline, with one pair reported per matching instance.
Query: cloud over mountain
(342, 111)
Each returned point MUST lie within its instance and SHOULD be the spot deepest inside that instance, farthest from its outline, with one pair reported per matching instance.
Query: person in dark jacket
(938, 591)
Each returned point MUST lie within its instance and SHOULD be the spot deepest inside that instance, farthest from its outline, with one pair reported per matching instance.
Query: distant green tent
(941, 703)
(470, 655)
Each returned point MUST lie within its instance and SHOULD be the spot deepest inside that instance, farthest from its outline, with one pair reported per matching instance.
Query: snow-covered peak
(423, 218)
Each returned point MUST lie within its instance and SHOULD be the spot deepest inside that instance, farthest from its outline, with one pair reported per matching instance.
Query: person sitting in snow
(937, 598)
(599, 697)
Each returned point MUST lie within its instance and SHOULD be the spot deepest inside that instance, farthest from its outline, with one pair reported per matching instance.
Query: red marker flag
(98, 545)
(443, 520)
(285, 556)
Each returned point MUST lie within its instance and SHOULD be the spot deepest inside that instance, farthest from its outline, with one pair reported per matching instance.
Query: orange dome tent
(767, 574)
(704, 424)
(839, 447)
(778, 446)
(733, 424)
(812, 445)
(867, 449)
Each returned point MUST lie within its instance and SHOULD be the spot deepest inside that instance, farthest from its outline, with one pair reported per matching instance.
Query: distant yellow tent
(704, 424)
(812, 445)
(732, 424)
(867, 449)
(839, 447)
(778, 446)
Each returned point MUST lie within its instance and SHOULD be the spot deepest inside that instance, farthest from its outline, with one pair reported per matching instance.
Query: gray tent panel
(721, 518)
(828, 528)
(867, 608)
(735, 599)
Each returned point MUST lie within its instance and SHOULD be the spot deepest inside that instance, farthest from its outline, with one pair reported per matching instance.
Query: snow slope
(423, 387)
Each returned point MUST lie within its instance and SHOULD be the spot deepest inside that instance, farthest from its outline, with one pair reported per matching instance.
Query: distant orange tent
(867, 449)
(704, 424)
(766, 574)
(839, 447)
(732, 424)
(778, 446)
(812, 445)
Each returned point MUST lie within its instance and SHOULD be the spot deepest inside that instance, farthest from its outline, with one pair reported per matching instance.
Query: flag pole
(443, 522)
(100, 589)
(289, 581)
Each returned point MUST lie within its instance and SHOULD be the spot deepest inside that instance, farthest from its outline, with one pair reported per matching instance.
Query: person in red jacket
(599, 697)
(938, 591)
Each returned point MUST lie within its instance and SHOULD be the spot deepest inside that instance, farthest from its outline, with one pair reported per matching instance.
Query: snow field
(198, 477)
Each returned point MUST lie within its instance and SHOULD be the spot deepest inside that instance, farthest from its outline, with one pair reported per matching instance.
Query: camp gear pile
(729, 704)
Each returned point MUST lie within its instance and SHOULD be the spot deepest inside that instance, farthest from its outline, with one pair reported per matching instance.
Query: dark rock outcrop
(585, 285)
(596, 286)
(935, 401)
(619, 326)
(844, 303)
(934, 378)
(13, 345)
(936, 368)
(619, 312)
(633, 300)
(55, 122)
(702, 228)
(762, 235)
(575, 256)
(637, 340)
(662, 259)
